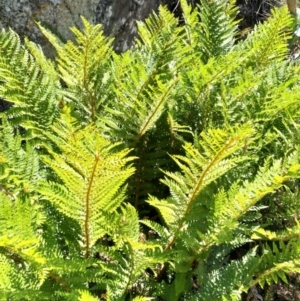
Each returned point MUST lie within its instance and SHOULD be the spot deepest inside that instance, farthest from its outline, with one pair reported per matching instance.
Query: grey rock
(117, 16)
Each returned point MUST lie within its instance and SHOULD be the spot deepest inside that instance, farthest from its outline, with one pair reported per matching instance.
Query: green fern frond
(137, 255)
(18, 236)
(268, 42)
(240, 199)
(146, 76)
(5, 277)
(160, 230)
(144, 111)
(283, 235)
(86, 296)
(277, 261)
(191, 20)
(128, 222)
(159, 35)
(45, 64)
(32, 88)
(21, 216)
(83, 67)
(177, 131)
(130, 268)
(92, 175)
(283, 95)
(218, 27)
(201, 167)
(19, 166)
(229, 280)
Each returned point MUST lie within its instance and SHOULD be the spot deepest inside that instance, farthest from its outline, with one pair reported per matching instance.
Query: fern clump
(169, 172)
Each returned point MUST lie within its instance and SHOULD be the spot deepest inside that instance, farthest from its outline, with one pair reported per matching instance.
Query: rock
(117, 16)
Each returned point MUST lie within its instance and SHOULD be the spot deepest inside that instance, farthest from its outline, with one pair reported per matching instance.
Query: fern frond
(283, 95)
(128, 222)
(160, 36)
(137, 254)
(83, 67)
(141, 113)
(18, 236)
(240, 199)
(268, 42)
(201, 167)
(160, 230)
(191, 21)
(230, 280)
(217, 28)
(277, 261)
(92, 175)
(131, 267)
(86, 296)
(5, 277)
(146, 76)
(283, 235)
(19, 167)
(45, 64)
(29, 84)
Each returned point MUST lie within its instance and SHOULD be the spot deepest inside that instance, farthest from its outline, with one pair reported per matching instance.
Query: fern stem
(87, 208)
(138, 176)
(144, 129)
(61, 282)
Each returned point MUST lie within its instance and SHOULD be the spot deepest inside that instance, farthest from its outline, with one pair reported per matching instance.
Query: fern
(217, 27)
(168, 172)
(202, 169)
(277, 261)
(30, 84)
(87, 62)
(268, 41)
(86, 159)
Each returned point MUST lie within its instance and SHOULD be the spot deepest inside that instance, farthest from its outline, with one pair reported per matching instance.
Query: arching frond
(200, 167)
(268, 42)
